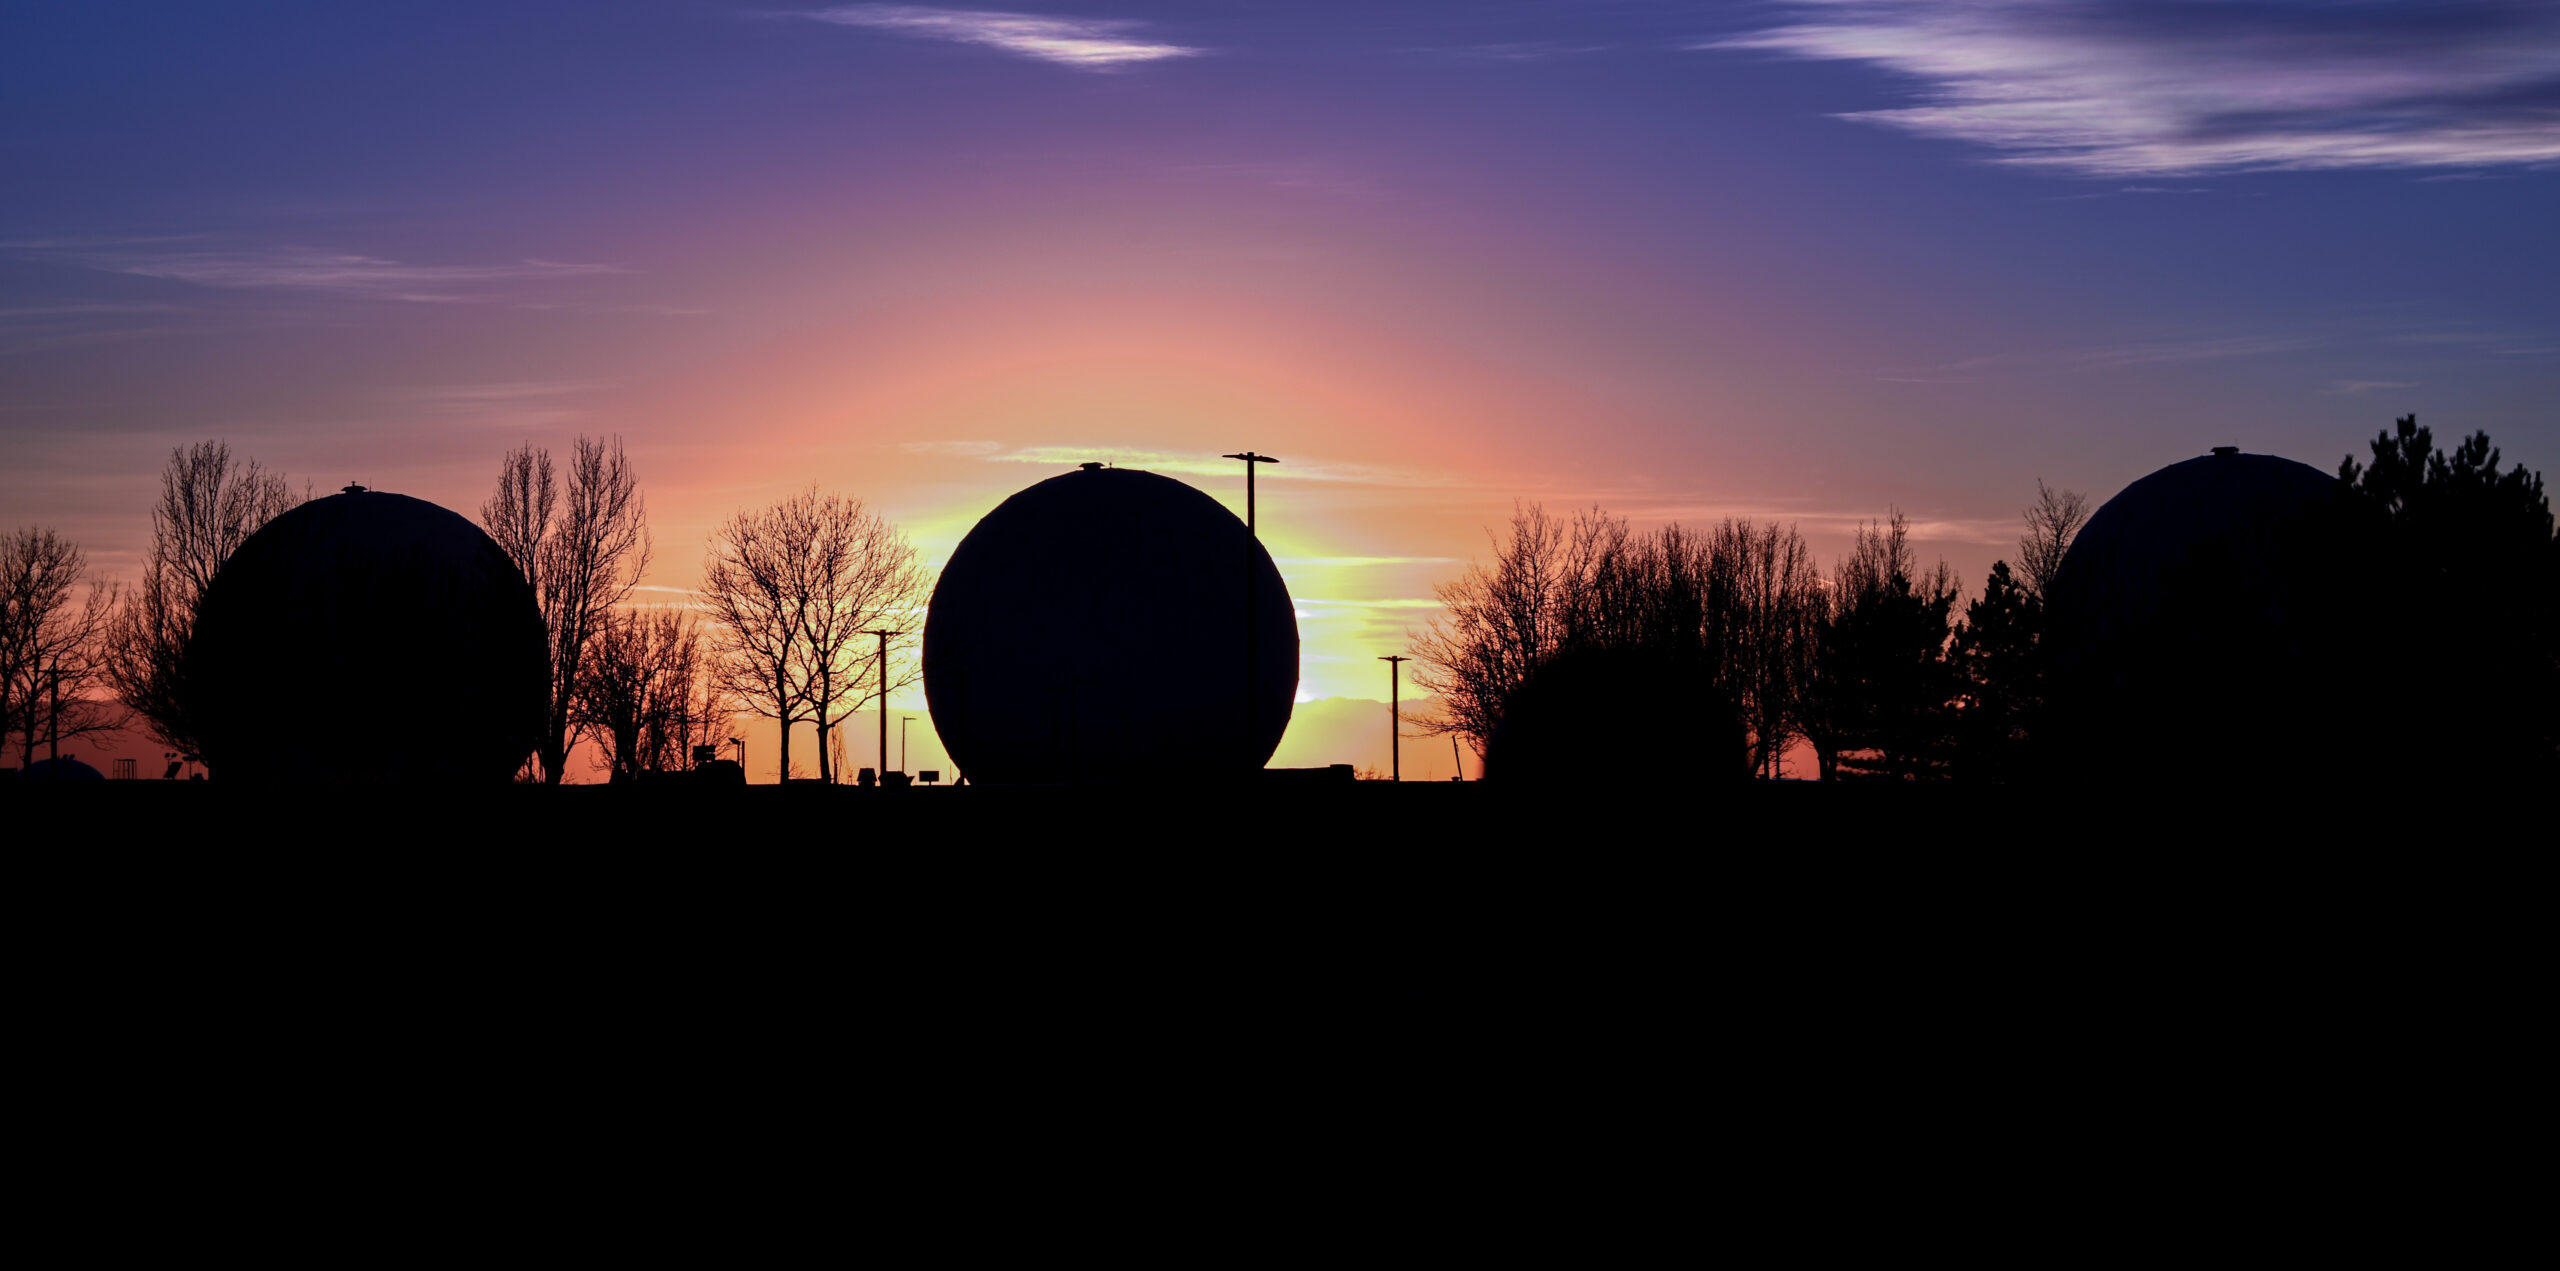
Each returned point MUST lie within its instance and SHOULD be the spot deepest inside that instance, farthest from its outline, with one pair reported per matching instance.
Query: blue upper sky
(1806, 260)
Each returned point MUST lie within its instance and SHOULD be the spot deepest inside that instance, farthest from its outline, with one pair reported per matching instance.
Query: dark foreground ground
(1242, 1020)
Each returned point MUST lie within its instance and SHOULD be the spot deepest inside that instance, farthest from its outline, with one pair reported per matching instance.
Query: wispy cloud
(505, 394)
(2134, 189)
(1924, 527)
(2139, 88)
(348, 273)
(2351, 388)
(1065, 457)
(2112, 357)
(1389, 603)
(40, 328)
(1518, 51)
(1091, 44)
(957, 449)
(1350, 562)
(513, 404)
(649, 310)
(49, 315)
(314, 271)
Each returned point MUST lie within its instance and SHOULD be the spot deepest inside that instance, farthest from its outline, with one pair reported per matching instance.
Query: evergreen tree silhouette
(2467, 587)
(1999, 679)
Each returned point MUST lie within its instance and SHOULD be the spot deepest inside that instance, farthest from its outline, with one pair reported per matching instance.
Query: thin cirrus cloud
(2120, 88)
(351, 274)
(1090, 44)
(311, 271)
(1197, 465)
(2151, 353)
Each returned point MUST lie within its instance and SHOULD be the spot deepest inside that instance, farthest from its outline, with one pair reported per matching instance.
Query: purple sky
(1797, 260)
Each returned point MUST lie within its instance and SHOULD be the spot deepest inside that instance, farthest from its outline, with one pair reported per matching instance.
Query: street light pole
(884, 635)
(1252, 635)
(903, 721)
(1395, 710)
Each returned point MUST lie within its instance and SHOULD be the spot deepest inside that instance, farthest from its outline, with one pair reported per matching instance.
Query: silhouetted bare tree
(52, 675)
(2053, 520)
(582, 561)
(749, 586)
(1727, 608)
(1773, 599)
(644, 691)
(860, 575)
(208, 506)
(794, 587)
(1500, 623)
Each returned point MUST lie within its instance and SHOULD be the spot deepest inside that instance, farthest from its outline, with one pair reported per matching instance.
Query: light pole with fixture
(1252, 634)
(1395, 711)
(884, 634)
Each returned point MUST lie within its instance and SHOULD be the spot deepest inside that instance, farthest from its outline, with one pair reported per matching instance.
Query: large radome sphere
(2204, 625)
(1092, 628)
(368, 638)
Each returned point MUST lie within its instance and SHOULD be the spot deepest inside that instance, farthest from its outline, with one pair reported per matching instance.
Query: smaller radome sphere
(2199, 626)
(1637, 720)
(368, 638)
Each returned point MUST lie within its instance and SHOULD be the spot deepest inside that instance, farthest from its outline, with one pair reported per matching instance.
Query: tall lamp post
(1252, 635)
(903, 721)
(741, 744)
(1395, 710)
(884, 634)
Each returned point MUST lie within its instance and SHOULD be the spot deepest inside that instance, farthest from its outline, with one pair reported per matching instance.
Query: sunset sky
(1802, 261)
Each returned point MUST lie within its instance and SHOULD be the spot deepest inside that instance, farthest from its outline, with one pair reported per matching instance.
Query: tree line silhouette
(787, 590)
(1671, 650)
(2445, 565)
